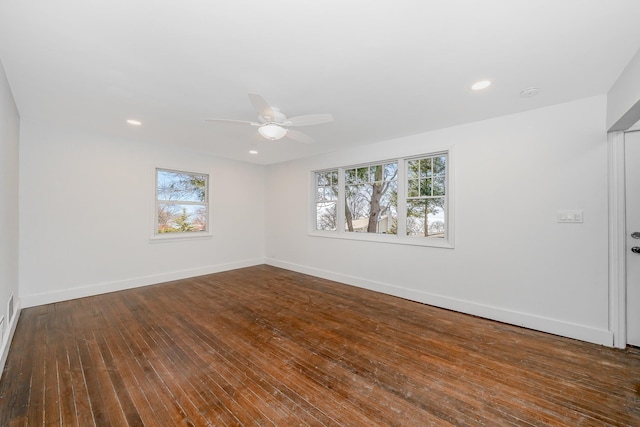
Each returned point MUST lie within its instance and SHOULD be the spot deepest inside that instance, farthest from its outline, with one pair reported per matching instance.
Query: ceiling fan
(273, 124)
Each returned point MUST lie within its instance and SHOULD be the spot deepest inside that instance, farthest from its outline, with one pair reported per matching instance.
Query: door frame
(617, 239)
(617, 236)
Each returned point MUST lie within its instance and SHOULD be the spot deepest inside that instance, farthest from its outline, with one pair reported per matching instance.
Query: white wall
(623, 99)
(86, 204)
(87, 207)
(9, 138)
(512, 261)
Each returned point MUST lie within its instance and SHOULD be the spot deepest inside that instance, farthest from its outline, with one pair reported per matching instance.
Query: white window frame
(401, 238)
(172, 237)
(315, 190)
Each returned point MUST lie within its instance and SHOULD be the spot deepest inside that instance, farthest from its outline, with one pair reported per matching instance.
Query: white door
(632, 183)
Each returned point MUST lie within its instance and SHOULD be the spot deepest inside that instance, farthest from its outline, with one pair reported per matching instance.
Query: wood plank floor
(262, 346)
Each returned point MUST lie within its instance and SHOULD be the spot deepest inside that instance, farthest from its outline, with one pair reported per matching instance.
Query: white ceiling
(384, 69)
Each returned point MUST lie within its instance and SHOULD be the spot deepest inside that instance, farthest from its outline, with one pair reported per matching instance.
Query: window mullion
(402, 198)
(340, 204)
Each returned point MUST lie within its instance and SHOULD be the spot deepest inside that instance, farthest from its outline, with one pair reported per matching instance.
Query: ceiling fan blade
(261, 106)
(311, 119)
(299, 136)
(241, 122)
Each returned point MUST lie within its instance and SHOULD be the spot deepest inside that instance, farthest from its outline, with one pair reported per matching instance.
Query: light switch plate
(574, 216)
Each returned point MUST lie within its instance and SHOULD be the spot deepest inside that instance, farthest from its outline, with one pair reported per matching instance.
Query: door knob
(636, 234)
(635, 249)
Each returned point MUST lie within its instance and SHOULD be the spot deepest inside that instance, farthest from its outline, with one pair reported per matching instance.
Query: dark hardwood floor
(263, 346)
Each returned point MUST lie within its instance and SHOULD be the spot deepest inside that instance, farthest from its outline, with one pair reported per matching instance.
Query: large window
(182, 202)
(406, 199)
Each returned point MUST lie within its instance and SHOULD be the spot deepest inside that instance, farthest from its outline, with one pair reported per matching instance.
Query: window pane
(414, 188)
(390, 171)
(181, 186)
(376, 173)
(326, 216)
(425, 187)
(413, 169)
(362, 175)
(426, 218)
(439, 186)
(425, 167)
(182, 201)
(371, 206)
(327, 194)
(326, 197)
(350, 176)
(439, 165)
(178, 218)
(416, 217)
(333, 177)
(388, 217)
(436, 218)
(321, 178)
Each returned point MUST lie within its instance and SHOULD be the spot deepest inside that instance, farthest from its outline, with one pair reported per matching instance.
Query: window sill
(179, 237)
(385, 238)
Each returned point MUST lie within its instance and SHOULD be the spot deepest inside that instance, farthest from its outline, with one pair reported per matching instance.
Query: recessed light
(134, 122)
(253, 152)
(483, 84)
(529, 92)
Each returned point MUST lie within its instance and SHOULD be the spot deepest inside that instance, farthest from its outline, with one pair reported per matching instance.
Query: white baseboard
(530, 321)
(11, 329)
(106, 287)
(539, 323)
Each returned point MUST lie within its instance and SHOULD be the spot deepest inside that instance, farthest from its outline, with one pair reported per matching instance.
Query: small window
(182, 202)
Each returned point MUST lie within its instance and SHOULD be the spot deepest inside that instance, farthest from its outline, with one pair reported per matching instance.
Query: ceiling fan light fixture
(273, 124)
(272, 131)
